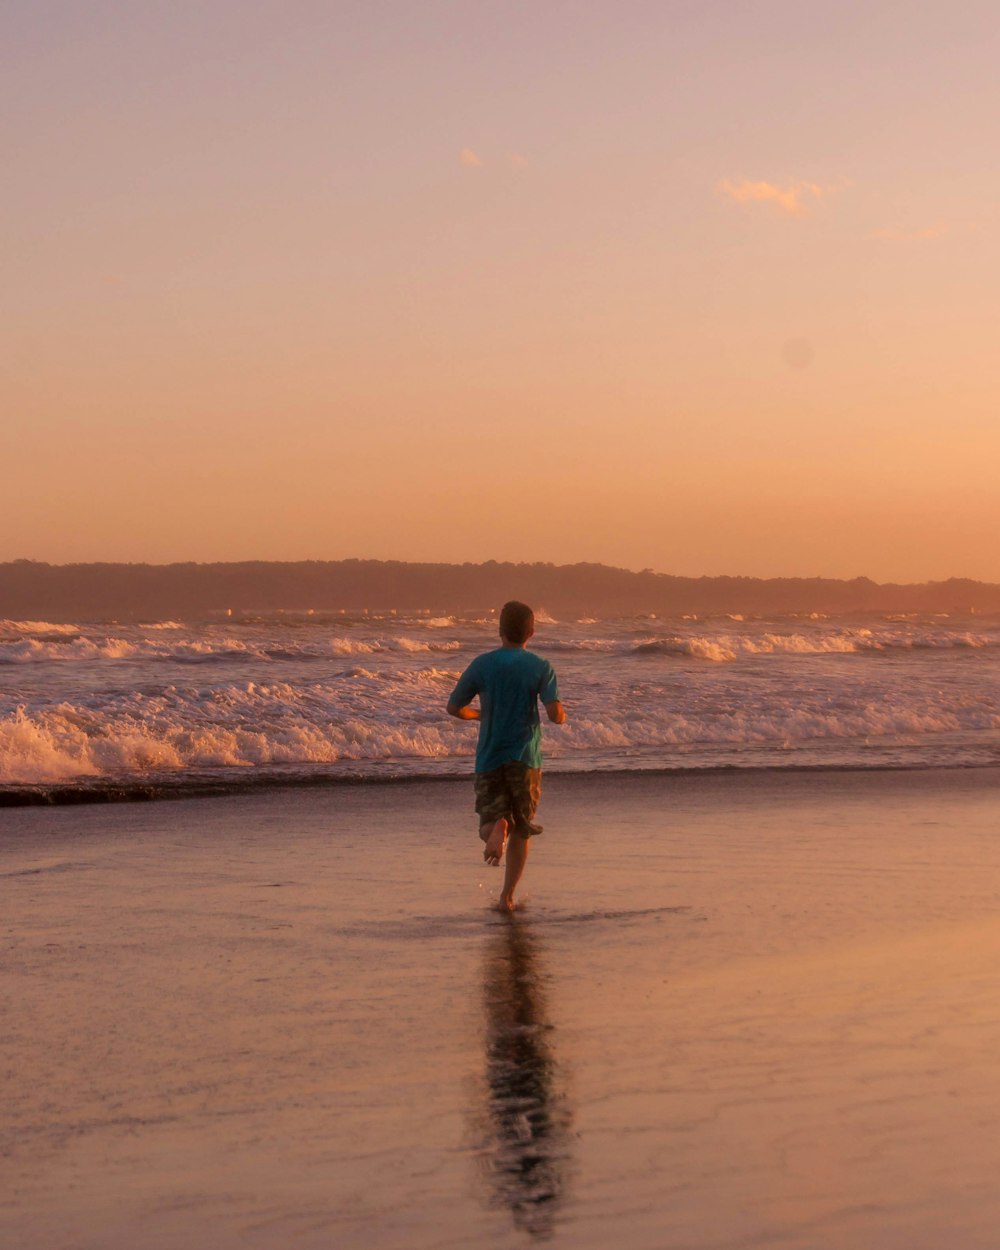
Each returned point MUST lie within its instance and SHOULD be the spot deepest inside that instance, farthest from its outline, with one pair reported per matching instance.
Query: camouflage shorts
(510, 792)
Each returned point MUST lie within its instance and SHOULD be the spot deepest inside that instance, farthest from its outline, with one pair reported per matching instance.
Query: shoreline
(166, 789)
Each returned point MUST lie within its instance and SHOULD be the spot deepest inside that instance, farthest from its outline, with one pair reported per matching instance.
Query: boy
(509, 681)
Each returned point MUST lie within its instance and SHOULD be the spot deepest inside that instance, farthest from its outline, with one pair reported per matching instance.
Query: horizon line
(458, 564)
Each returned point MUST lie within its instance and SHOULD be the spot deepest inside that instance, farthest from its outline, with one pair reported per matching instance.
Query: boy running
(510, 681)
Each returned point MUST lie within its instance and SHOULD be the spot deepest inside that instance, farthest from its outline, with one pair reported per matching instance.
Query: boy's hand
(463, 713)
(556, 712)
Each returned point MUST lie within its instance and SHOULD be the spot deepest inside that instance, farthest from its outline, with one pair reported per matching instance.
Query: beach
(749, 1008)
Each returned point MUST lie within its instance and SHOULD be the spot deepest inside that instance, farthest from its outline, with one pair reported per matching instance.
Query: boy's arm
(464, 712)
(549, 695)
(462, 696)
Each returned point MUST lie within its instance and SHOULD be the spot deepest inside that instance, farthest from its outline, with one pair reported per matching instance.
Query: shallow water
(741, 1010)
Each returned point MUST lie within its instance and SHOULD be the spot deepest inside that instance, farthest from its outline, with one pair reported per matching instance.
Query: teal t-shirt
(509, 681)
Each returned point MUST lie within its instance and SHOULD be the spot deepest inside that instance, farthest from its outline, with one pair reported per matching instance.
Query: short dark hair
(516, 622)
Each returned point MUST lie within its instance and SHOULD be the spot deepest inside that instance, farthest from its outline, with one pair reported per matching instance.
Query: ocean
(108, 709)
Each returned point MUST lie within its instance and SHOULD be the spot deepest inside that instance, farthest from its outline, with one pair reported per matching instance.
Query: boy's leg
(517, 855)
(493, 809)
(495, 837)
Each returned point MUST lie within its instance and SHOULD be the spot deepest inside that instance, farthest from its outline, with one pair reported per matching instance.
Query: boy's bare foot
(496, 844)
(506, 904)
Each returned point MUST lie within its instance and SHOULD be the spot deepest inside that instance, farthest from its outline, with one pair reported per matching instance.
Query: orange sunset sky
(705, 286)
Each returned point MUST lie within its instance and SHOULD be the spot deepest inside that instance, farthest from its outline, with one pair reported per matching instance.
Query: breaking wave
(229, 727)
(398, 715)
(724, 648)
(26, 650)
(36, 627)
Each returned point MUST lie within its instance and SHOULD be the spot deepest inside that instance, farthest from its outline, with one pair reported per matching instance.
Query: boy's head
(517, 622)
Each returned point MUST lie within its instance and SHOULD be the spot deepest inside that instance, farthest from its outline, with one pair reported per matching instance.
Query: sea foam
(131, 701)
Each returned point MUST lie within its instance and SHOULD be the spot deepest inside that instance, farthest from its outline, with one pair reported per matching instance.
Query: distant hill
(37, 591)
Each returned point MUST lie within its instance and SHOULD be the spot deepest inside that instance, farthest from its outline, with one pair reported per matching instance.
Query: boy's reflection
(528, 1116)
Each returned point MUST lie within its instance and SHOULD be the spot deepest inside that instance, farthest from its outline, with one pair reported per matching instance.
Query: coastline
(102, 790)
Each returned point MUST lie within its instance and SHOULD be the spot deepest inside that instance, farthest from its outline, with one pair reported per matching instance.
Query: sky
(703, 286)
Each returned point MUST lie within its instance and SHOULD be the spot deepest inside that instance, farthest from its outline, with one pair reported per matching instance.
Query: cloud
(468, 157)
(894, 234)
(792, 198)
(516, 161)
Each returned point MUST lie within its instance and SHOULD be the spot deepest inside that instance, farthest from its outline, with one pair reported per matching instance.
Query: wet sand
(740, 1010)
